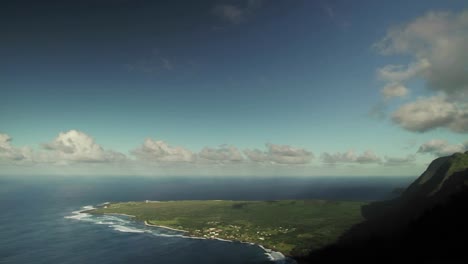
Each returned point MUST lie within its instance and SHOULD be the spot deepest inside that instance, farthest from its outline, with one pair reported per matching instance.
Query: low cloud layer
(79, 151)
(396, 161)
(437, 44)
(280, 154)
(68, 147)
(160, 151)
(76, 146)
(222, 154)
(350, 157)
(10, 153)
(438, 147)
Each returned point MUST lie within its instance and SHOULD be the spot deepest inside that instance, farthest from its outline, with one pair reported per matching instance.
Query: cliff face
(444, 177)
(427, 223)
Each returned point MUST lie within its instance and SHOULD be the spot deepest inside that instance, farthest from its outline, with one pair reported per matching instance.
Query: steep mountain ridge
(427, 223)
(440, 180)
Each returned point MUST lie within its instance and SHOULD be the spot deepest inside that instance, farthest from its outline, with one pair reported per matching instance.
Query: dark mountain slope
(428, 223)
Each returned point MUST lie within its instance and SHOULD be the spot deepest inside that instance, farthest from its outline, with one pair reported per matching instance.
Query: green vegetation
(459, 162)
(455, 163)
(293, 227)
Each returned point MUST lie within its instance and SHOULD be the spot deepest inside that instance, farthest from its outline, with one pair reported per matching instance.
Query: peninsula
(292, 227)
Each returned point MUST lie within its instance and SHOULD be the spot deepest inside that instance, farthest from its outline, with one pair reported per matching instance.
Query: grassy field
(292, 227)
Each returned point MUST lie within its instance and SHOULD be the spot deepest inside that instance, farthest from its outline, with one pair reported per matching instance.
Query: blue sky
(317, 87)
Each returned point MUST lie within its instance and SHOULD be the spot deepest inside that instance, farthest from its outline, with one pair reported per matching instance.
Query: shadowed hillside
(428, 223)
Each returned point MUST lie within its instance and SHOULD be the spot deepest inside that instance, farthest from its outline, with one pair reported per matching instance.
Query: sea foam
(126, 229)
(119, 223)
(79, 214)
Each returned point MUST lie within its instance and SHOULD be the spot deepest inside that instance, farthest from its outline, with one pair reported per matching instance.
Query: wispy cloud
(329, 11)
(222, 154)
(439, 147)
(239, 13)
(280, 154)
(10, 153)
(159, 151)
(398, 161)
(350, 156)
(154, 62)
(334, 17)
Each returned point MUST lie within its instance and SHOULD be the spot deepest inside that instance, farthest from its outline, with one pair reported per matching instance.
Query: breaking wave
(120, 223)
(125, 224)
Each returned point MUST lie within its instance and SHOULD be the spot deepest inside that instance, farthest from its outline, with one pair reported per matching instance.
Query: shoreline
(271, 254)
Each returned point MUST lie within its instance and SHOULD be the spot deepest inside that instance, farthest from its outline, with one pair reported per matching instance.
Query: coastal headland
(292, 227)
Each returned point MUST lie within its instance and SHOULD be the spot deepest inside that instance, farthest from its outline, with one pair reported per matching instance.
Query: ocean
(41, 222)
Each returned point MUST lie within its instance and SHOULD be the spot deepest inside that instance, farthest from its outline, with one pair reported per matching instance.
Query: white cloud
(11, 153)
(76, 146)
(329, 11)
(338, 157)
(159, 151)
(280, 154)
(401, 73)
(154, 62)
(395, 75)
(392, 90)
(222, 154)
(441, 40)
(286, 154)
(167, 64)
(368, 157)
(256, 155)
(350, 157)
(231, 13)
(438, 147)
(437, 44)
(396, 161)
(236, 14)
(429, 113)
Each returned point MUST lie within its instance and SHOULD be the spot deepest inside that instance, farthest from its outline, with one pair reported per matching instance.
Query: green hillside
(293, 227)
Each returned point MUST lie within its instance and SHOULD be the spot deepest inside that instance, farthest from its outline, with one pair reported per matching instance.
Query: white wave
(274, 256)
(167, 235)
(104, 223)
(126, 229)
(79, 215)
(114, 219)
(123, 225)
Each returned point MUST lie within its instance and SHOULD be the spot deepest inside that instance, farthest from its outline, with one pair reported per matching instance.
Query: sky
(231, 88)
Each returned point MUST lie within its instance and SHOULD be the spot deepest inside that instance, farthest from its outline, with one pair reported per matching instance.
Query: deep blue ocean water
(40, 222)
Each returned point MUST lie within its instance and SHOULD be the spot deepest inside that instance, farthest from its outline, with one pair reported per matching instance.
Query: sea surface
(41, 222)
